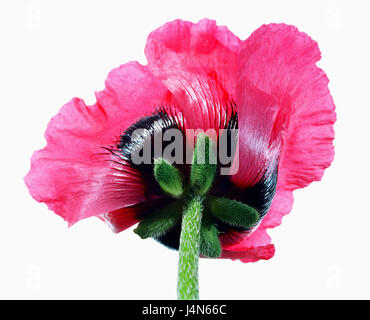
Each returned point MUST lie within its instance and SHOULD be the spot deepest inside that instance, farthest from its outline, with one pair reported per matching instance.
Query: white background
(51, 51)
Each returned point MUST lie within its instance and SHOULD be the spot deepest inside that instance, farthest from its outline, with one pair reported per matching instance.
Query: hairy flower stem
(187, 279)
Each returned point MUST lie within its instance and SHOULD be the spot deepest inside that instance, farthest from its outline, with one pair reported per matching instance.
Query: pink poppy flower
(198, 76)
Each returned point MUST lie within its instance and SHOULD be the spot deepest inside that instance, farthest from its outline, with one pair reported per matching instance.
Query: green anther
(204, 166)
(160, 221)
(210, 245)
(168, 177)
(232, 212)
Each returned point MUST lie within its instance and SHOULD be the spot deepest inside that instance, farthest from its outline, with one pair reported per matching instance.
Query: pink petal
(72, 174)
(121, 219)
(260, 134)
(281, 205)
(258, 244)
(253, 248)
(286, 113)
(197, 62)
(281, 61)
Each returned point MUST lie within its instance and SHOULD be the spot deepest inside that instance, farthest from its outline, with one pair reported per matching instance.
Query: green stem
(187, 279)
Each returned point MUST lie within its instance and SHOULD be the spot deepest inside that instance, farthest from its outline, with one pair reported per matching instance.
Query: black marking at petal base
(232, 122)
(157, 123)
(258, 196)
(228, 137)
(261, 194)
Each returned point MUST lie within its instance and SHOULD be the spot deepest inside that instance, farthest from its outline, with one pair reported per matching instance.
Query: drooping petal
(122, 219)
(281, 205)
(286, 115)
(258, 245)
(197, 62)
(73, 174)
(280, 61)
(260, 134)
(253, 248)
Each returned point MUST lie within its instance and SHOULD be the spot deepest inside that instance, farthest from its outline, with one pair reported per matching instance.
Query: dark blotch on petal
(258, 197)
(155, 124)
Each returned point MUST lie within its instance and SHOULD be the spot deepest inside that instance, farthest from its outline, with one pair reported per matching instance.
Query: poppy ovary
(202, 175)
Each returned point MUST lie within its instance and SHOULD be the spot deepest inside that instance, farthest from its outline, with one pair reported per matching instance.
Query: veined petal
(255, 247)
(286, 113)
(197, 62)
(122, 219)
(286, 117)
(281, 61)
(260, 134)
(203, 75)
(281, 205)
(73, 174)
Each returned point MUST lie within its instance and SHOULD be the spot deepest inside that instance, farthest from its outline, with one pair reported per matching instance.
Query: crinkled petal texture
(285, 115)
(277, 71)
(285, 110)
(198, 64)
(73, 174)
